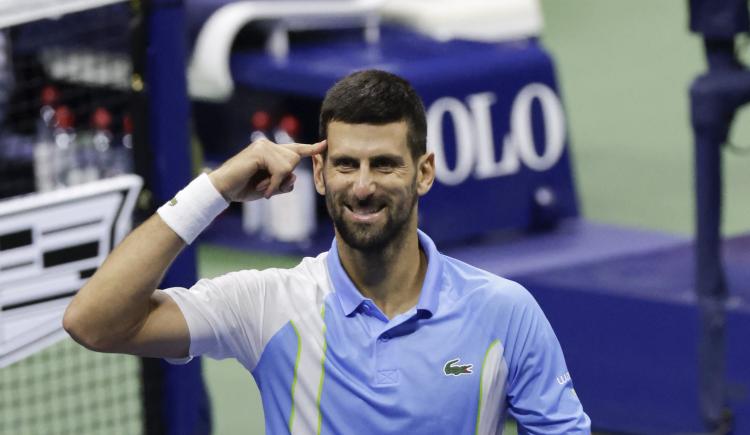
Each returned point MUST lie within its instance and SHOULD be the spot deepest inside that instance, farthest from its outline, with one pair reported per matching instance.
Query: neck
(391, 277)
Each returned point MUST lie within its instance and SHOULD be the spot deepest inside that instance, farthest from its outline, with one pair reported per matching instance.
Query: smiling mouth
(364, 214)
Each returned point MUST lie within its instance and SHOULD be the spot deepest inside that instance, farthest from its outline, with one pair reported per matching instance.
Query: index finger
(305, 150)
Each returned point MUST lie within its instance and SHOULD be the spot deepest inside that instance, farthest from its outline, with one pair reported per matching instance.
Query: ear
(318, 166)
(425, 173)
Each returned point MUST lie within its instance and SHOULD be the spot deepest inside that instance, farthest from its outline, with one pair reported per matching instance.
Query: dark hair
(376, 97)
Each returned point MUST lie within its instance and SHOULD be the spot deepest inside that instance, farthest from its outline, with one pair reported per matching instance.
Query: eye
(345, 164)
(384, 164)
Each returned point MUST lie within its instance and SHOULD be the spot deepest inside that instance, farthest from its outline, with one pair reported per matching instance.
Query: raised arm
(119, 310)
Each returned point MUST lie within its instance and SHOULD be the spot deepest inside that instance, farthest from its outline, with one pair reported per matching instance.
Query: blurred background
(602, 236)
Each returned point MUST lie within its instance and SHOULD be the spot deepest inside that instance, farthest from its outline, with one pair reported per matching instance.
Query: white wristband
(193, 208)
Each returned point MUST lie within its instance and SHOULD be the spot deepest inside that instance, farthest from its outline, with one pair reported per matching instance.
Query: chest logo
(453, 368)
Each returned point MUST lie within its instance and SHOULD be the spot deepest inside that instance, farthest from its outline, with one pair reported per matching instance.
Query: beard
(373, 237)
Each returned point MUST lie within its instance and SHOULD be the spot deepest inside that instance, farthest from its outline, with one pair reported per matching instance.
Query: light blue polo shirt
(328, 361)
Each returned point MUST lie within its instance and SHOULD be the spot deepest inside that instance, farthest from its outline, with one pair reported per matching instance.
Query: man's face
(371, 183)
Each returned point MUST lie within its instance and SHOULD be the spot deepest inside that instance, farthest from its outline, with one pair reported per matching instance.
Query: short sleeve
(223, 315)
(540, 390)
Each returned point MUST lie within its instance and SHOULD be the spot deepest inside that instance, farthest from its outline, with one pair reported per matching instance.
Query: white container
(252, 216)
(290, 216)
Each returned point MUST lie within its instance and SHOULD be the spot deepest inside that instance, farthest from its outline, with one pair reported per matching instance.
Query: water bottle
(254, 212)
(101, 141)
(82, 160)
(64, 137)
(291, 216)
(44, 147)
(122, 153)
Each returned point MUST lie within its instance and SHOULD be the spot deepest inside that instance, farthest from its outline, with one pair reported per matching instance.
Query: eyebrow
(387, 158)
(379, 158)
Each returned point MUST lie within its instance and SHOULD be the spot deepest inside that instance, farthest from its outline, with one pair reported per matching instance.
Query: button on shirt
(328, 361)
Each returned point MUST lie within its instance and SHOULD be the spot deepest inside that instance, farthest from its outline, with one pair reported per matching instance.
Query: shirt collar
(350, 297)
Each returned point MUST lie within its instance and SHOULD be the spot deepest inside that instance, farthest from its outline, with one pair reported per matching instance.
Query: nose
(364, 186)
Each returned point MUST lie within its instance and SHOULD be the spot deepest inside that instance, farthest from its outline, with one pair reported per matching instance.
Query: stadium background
(624, 68)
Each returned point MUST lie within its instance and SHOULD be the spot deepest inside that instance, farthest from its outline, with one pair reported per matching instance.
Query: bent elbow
(75, 325)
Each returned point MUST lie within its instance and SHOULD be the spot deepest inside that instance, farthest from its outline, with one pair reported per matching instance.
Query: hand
(262, 169)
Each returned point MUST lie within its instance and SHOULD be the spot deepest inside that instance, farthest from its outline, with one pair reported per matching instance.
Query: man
(381, 334)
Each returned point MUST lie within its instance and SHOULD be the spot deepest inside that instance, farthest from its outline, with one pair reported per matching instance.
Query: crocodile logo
(173, 201)
(453, 368)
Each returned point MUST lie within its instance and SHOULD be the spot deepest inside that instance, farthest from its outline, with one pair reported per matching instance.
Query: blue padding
(186, 408)
(575, 242)
(311, 68)
(629, 328)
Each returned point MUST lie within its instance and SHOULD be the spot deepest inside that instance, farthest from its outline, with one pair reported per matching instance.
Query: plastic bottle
(49, 98)
(103, 153)
(291, 216)
(254, 212)
(44, 147)
(64, 137)
(82, 160)
(122, 153)
(261, 124)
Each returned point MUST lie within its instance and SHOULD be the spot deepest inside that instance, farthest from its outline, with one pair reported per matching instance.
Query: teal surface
(624, 69)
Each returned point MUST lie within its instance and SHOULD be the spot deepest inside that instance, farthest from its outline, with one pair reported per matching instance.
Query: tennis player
(380, 334)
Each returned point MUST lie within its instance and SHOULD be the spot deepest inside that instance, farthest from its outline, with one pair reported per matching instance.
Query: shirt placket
(387, 367)
(386, 361)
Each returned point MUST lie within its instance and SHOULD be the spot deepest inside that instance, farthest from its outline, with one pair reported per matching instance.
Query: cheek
(333, 182)
(334, 186)
(402, 193)
(395, 181)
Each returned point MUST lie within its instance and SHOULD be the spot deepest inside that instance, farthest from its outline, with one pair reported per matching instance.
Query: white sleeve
(223, 315)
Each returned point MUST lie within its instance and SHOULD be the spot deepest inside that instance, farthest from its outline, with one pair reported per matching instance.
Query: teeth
(365, 210)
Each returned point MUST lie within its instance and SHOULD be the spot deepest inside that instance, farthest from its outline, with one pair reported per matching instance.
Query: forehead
(362, 140)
